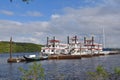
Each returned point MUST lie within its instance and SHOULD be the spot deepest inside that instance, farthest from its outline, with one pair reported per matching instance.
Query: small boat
(34, 58)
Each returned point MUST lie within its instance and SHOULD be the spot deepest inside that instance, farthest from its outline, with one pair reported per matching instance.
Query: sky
(39, 19)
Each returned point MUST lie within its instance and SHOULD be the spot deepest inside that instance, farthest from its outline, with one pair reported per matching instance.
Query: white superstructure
(54, 47)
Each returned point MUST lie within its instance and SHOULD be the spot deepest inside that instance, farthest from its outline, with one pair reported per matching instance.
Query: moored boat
(87, 48)
(54, 46)
(34, 58)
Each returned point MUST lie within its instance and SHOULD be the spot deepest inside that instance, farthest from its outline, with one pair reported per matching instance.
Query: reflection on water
(74, 69)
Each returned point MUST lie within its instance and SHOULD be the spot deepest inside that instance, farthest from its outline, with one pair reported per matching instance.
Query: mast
(10, 47)
(103, 38)
(92, 46)
(54, 41)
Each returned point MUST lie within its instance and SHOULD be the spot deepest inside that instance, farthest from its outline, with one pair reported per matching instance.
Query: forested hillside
(19, 47)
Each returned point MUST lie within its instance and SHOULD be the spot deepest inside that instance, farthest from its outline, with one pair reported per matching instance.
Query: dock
(11, 59)
(15, 60)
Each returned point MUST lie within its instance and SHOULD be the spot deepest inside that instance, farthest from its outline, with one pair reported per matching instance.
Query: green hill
(19, 47)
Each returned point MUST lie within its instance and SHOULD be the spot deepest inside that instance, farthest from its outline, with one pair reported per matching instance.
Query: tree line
(19, 47)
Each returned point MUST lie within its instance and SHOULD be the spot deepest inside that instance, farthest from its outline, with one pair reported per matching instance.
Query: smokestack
(54, 41)
(54, 38)
(92, 40)
(84, 40)
(47, 41)
(68, 40)
(75, 39)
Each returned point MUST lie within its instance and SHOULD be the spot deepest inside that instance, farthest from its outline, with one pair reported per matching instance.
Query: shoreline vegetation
(101, 73)
(36, 72)
(19, 47)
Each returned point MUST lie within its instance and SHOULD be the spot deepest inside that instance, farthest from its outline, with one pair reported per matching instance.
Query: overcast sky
(35, 21)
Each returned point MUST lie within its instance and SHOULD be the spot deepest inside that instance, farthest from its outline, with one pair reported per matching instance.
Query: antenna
(103, 38)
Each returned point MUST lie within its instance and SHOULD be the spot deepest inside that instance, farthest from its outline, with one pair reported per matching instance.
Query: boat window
(52, 50)
(43, 50)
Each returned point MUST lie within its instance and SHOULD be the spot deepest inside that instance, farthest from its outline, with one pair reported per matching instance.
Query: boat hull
(35, 58)
(64, 57)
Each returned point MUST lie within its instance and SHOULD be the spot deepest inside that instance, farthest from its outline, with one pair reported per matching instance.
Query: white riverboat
(54, 47)
(73, 47)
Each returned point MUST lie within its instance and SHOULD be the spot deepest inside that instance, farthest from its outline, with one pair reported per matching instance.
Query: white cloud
(6, 12)
(27, 39)
(55, 16)
(23, 32)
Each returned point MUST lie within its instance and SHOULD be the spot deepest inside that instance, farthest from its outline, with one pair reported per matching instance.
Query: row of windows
(49, 50)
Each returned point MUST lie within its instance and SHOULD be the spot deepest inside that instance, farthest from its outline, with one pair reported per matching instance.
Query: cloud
(90, 20)
(33, 14)
(23, 32)
(81, 22)
(6, 12)
(55, 16)
(28, 40)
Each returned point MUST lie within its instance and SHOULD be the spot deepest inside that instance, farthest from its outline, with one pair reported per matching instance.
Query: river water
(74, 69)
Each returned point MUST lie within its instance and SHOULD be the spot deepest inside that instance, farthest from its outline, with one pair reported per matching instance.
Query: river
(74, 69)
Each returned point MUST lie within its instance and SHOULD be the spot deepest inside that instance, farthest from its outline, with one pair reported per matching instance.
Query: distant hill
(19, 47)
(111, 49)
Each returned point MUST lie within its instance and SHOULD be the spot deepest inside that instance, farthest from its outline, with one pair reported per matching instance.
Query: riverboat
(54, 46)
(86, 48)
